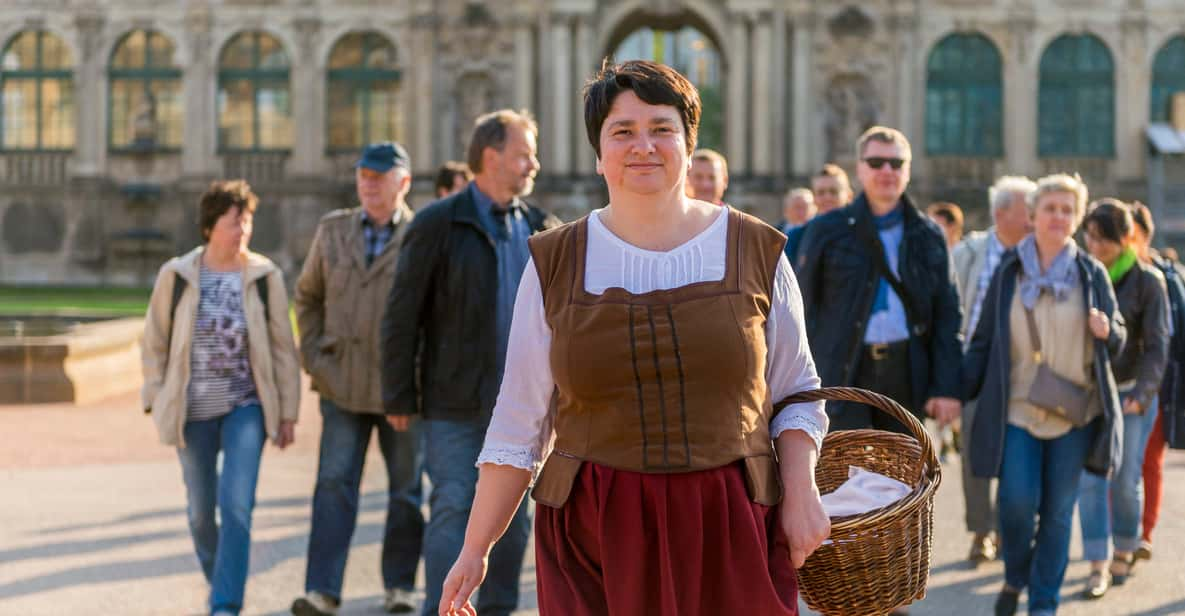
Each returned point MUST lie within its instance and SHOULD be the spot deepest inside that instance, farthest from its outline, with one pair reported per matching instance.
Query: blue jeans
(1035, 496)
(344, 440)
(1111, 510)
(450, 452)
(223, 552)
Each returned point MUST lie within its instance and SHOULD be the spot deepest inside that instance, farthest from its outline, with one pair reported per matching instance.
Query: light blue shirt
(890, 325)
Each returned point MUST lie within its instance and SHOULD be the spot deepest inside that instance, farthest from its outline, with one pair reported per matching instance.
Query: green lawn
(33, 300)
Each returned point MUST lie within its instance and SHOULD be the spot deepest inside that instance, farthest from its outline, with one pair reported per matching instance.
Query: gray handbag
(1052, 391)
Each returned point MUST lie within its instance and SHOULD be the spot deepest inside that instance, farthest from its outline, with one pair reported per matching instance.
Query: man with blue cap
(339, 299)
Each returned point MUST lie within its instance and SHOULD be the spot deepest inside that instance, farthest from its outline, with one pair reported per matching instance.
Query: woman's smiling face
(643, 147)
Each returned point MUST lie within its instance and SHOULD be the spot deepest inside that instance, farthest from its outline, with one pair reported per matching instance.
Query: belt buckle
(878, 351)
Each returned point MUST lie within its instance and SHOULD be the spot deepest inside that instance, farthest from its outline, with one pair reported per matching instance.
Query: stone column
(1021, 79)
(90, 150)
(736, 130)
(779, 104)
(308, 100)
(427, 154)
(762, 161)
(524, 69)
(805, 151)
(200, 85)
(586, 64)
(559, 142)
(1133, 78)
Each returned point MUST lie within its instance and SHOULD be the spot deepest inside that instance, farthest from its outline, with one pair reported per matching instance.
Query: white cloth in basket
(864, 491)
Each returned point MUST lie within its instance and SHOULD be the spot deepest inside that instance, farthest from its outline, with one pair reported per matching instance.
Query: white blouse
(521, 432)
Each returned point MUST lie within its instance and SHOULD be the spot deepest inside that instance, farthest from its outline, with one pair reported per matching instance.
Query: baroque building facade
(116, 114)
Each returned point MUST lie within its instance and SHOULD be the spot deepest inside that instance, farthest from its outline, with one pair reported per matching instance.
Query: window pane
(57, 114)
(238, 53)
(21, 53)
(385, 117)
(169, 112)
(1076, 104)
(236, 102)
(130, 53)
(54, 54)
(126, 97)
(271, 53)
(347, 53)
(345, 117)
(162, 50)
(275, 116)
(20, 113)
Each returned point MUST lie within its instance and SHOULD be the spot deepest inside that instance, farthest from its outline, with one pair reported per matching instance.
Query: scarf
(1060, 279)
(888, 221)
(1126, 261)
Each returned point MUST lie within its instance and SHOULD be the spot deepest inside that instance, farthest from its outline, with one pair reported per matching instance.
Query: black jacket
(839, 279)
(440, 314)
(1143, 302)
(987, 369)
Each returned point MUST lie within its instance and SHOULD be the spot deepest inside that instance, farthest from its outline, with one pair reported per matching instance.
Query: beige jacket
(970, 257)
(272, 349)
(339, 308)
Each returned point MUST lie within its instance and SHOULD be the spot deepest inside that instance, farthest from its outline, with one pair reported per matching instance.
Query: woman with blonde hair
(1039, 365)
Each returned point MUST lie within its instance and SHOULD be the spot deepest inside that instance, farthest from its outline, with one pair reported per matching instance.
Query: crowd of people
(624, 368)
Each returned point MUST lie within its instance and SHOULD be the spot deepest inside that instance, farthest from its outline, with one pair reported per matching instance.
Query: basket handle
(882, 403)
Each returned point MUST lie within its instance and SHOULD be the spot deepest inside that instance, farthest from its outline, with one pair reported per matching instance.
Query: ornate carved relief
(850, 105)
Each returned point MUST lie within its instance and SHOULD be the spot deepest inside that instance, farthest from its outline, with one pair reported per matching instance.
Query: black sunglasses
(876, 162)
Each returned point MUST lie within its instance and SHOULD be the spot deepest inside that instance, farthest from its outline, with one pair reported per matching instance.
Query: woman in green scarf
(1110, 509)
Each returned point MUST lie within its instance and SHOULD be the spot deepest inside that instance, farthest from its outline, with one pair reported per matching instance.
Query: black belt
(885, 350)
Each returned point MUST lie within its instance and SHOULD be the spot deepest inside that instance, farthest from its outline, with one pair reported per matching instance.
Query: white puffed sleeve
(521, 432)
(789, 365)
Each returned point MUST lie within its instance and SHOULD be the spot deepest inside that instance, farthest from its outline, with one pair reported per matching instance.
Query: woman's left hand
(1100, 325)
(805, 523)
(287, 433)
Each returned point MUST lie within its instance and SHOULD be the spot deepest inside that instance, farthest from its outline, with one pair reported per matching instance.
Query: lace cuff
(794, 419)
(518, 457)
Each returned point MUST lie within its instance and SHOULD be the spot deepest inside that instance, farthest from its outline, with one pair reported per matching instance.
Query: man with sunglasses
(881, 303)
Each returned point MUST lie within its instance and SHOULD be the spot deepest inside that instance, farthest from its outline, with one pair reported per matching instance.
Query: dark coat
(1144, 304)
(839, 279)
(987, 369)
(440, 314)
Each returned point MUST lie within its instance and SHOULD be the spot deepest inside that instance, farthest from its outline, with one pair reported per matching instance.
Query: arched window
(964, 98)
(254, 96)
(694, 55)
(37, 82)
(1168, 77)
(363, 92)
(1076, 100)
(145, 93)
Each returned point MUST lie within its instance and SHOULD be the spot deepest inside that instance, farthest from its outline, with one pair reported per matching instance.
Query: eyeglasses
(876, 162)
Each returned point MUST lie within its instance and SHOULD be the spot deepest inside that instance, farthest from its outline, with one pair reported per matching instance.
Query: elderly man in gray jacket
(976, 259)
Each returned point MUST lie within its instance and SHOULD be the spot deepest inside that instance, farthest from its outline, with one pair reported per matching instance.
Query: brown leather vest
(669, 381)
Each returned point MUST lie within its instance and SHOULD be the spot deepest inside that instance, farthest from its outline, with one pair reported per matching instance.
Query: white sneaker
(314, 604)
(399, 600)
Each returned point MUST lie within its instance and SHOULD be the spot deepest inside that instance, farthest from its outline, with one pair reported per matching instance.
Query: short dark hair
(489, 131)
(884, 134)
(1112, 219)
(1142, 216)
(951, 213)
(446, 176)
(654, 83)
(219, 198)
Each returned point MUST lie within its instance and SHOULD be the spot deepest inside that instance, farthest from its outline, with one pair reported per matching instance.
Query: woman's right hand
(1100, 326)
(464, 578)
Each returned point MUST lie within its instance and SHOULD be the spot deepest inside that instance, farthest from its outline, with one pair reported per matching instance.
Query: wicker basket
(879, 560)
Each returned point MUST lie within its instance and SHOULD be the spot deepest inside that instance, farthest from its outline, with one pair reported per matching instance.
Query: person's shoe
(399, 601)
(314, 604)
(1121, 569)
(1006, 602)
(1144, 552)
(983, 548)
(1097, 584)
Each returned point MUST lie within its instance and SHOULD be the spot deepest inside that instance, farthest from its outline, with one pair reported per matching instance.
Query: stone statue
(850, 107)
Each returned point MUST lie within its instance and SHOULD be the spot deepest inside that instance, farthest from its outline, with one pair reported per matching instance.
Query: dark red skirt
(687, 544)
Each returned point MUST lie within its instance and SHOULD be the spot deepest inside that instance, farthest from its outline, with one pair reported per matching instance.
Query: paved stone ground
(92, 521)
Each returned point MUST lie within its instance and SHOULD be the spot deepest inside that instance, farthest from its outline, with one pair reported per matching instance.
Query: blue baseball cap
(384, 156)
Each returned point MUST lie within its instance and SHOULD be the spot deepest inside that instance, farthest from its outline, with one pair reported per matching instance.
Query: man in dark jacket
(447, 322)
(882, 307)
